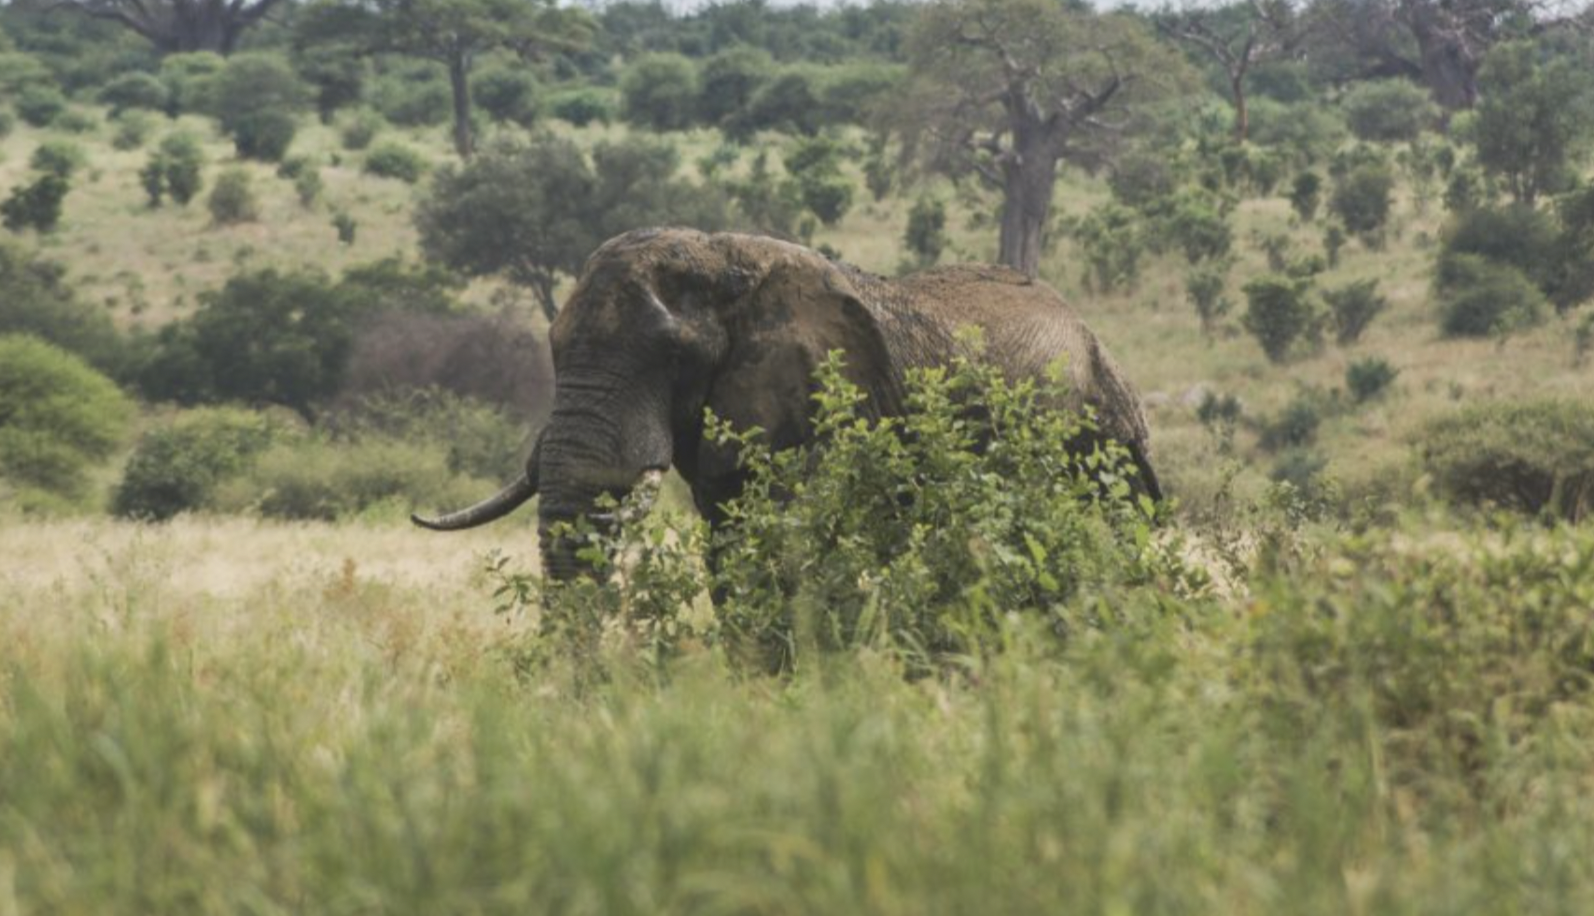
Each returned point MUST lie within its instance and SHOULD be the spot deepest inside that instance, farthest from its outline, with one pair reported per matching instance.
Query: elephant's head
(662, 324)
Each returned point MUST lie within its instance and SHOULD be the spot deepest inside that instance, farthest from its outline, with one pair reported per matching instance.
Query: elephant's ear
(780, 334)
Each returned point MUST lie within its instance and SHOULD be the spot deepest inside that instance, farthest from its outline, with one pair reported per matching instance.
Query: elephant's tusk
(493, 507)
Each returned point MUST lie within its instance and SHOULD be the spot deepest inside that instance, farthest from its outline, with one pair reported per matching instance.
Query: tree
(455, 33)
(1008, 89)
(1238, 37)
(178, 26)
(57, 416)
(1533, 117)
(660, 92)
(533, 210)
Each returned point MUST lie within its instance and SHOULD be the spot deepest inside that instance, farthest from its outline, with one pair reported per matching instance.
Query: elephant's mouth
(644, 493)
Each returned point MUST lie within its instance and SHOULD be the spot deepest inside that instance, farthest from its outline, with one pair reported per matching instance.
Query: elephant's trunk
(560, 560)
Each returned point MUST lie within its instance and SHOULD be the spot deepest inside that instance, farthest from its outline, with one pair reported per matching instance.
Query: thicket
(58, 417)
(37, 300)
(178, 466)
(1532, 456)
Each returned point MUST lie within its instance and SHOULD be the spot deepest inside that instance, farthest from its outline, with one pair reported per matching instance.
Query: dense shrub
(1533, 117)
(188, 79)
(1112, 240)
(317, 478)
(1279, 314)
(508, 95)
(36, 205)
(1517, 236)
(40, 105)
(413, 98)
(57, 418)
(477, 439)
(1353, 307)
(360, 128)
(58, 157)
(135, 90)
(263, 135)
(232, 199)
(853, 93)
(1369, 378)
(788, 103)
(1388, 110)
(1204, 284)
(1362, 200)
(1296, 425)
(397, 161)
(815, 164)
(177, 467)
(580, 107)
(1194, 220)
(1306, 192)
(254, 97)
(176, 168)
(1307, 132)
(1478, 297)
(660, 92)
(133, 128)
(925, 235)
(1534, 456)
(729, 80)
(35, 299)
(494, 360)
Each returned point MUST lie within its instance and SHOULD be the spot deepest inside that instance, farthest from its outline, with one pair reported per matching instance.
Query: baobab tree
(176, 26)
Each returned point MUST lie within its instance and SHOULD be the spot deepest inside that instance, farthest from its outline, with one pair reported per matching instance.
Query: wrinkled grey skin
(666, 322)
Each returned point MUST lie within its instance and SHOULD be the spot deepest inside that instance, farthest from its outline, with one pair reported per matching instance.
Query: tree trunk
(1242, 109)
(1029, 176)
(1450, 72)
(459, 81)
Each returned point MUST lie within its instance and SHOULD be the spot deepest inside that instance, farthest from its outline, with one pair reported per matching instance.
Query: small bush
(1369, 378)
(1297, 424)
(58, 157)
(7, 123)
(176, 168)
(1517, 236)
(1279, 314)
(57, 418)
(360, 128)
(1353, 307)
(232, 199)
(1534, 456)
(925, 235)
(74, 121)
(35, 206)
(1306, 192)
(37, 300)
(1478, 297)
(346, 226)
(130, 91)
(40, 105)
(1195, 221)
(1112, 240)
(133, 129)
(580, 107)
(508, 95)
(177, 467)
(317, 478)
(1387, 111)
(1204, 283)
(394, 160)
(263, 135)
(308, 186)
(1363, 199)
(421, 101)
(659, 92)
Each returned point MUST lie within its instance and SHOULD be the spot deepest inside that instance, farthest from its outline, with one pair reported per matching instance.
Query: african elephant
(666, 322)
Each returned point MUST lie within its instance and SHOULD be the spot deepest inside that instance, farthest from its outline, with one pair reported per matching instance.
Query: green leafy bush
(580, 107)
(660, 92)
(317, 478)
(1279, 314)
(1478, 297)
(1353, 307)
(1306, 192)
(135, 90)
(417, 97)
(40, 105)
(35, 206)
(1194, 219)
(189, 79)
(57, 418)
(925, 235)
(176, 168)
(1531, 456)
(1369, 378)
(394, 160)
(1388, 110)
(255, 97)
(508, 95)
(729, 80)
(58, 157)
(263, 135)
(35, 299)
(360, 128)
(1297, 424)
(1362, 200)
(1516, 236)
(177, 467)
(1112, 240)
(133, 129)
(232, 199)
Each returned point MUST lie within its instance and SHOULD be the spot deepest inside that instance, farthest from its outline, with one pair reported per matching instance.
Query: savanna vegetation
(275, 274)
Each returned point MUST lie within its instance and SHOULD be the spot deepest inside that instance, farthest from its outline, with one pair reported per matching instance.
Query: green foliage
(660, 92)
(1204, 284)
(58, 417)
(232, 199)
(1280, 314)
(1517, 236)
(313, 477)
(36, 300)
(854, 93)
(58, 157)
(729, 81)
(1533, 117)
(7, 123)
(188, 79)
(176, 168)
(1533, 456)
(135, 91)
(35, 206)
(360, 128)
(307, 185)
(1306, 132)
(789, 102)
(346, 227)
(1387, 111)
(1196, 221)
(1221, 415)
(178, 466)
(765, 202)
(476, 439)
(1112, 241)
(1572, 282)
(1306, 192)
(580, 107)
(1369, 378)
(1296, 425)
(255, 97)
(1353, 307)
(39, 105)
(417, 97)
(1362, 201)
(925, 235)
(508, 95)
(1478, 297)
(395, 160)
(815, 164)
(133, 129)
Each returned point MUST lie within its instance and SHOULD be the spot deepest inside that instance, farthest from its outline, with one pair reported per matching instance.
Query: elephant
(666, 322)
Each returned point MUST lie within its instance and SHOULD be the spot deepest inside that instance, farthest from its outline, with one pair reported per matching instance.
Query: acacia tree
(454, 33)
(1237, 37)
(178, 26)
(1008, 89)
(1534, 116)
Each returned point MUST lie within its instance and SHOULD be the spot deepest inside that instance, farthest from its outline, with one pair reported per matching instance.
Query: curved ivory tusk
(490, 509)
